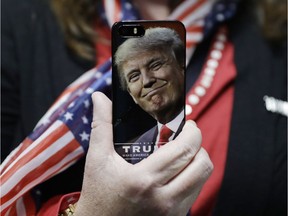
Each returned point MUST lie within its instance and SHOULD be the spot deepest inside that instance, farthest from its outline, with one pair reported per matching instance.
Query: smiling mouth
(153, 90)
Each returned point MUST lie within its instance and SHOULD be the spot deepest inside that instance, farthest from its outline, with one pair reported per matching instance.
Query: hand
(166, 183)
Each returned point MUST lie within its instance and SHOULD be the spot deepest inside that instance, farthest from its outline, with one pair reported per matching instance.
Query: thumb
(101, 139)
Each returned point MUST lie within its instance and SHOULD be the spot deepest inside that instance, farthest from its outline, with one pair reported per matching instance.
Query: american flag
(61, 137)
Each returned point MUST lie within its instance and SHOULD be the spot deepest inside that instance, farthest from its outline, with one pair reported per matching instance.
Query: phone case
(148, 76)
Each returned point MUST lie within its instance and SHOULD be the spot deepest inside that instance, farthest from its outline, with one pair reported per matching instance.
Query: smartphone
(148, 81)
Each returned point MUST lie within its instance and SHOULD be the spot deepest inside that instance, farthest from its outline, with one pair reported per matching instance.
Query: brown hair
(77, 19)
(274, 19)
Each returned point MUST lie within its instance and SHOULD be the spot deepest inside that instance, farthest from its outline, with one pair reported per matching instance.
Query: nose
(148, 79)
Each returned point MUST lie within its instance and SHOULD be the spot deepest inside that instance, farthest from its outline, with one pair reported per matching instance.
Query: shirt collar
(174, 124)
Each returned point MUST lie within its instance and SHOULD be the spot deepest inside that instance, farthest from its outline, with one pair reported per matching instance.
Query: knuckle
(139, 186)
(164, 206)
(96, 123)
(167, 206)
(197, 136)
(191, 148)
(206, 164)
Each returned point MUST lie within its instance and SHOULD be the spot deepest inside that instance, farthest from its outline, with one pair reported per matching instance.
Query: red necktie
(165, 133)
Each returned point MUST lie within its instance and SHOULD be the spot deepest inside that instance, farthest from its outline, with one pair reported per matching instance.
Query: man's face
(155, 81)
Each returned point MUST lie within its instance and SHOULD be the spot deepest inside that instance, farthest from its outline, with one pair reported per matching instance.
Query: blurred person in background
(236, 92)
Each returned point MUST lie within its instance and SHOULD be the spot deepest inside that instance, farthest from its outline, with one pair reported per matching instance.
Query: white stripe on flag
(194, 36)
(50, 172)
(20, 207)
(84, 78)
(189, 53)
(7, 213)
(198, 14)
(182, 8)
(8, 158)
(35, 162)
(52, 128)
(71, 157)
(110, 11)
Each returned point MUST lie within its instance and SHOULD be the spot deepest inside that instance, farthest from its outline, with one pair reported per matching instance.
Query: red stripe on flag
(190, 44)
(117, 11)
(21, 148)
(194, 28)
(191, 9)
(68, 92)
(51, 138)
(39, 171)
(9, 211)
(29, 204)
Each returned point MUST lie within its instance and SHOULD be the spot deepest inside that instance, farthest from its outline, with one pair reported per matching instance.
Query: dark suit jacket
(255, 178)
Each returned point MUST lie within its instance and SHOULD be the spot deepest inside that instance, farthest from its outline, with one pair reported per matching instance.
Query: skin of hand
(165, 183)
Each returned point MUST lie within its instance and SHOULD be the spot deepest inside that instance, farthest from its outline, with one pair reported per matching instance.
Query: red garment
(213, 117)
(58, 204)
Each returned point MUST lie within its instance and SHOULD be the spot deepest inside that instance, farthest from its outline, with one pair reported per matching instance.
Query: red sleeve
(58, 203)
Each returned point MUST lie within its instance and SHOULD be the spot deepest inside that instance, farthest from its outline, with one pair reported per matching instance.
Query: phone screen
(148, 76)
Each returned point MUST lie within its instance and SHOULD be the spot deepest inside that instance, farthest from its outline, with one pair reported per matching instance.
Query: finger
(101, 134)
(170, 159)
(189, 181)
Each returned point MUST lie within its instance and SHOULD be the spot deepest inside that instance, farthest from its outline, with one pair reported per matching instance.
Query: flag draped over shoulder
(62, 135)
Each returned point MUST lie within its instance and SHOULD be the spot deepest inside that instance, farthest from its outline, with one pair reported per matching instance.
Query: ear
(132, 95)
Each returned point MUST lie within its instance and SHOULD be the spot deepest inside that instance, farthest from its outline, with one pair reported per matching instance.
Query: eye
(133, 77)
(156, 65)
